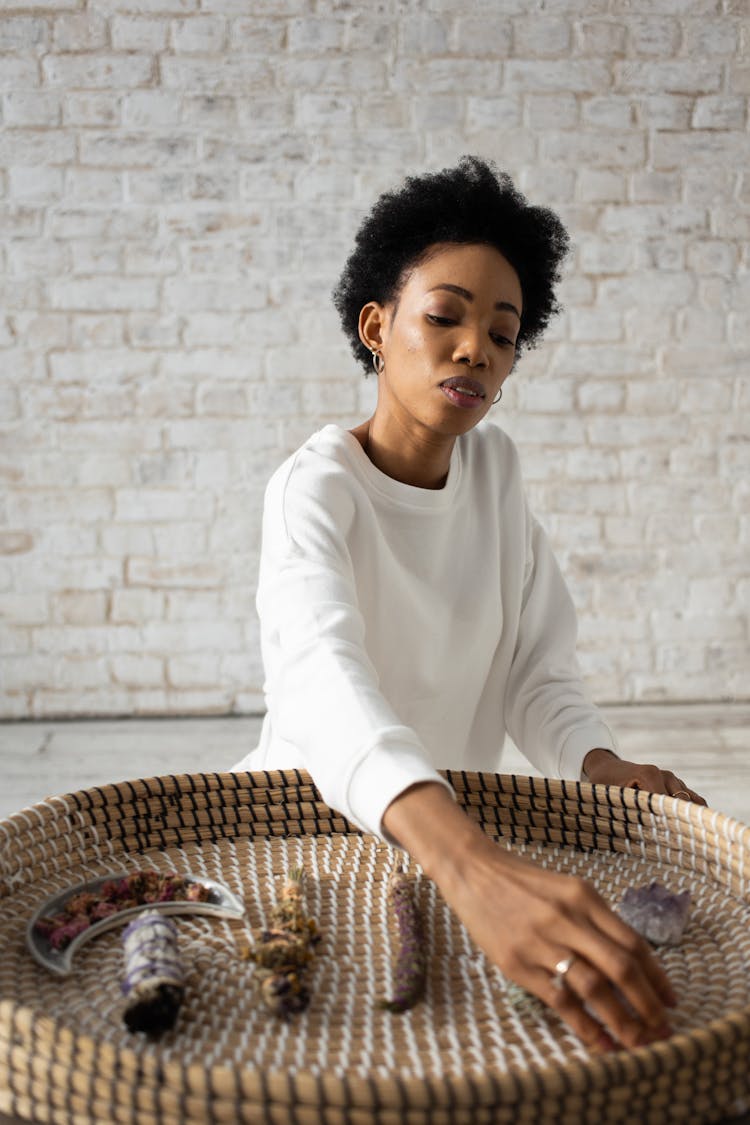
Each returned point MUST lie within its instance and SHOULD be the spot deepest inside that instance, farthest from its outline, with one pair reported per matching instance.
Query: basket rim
(594, 1073)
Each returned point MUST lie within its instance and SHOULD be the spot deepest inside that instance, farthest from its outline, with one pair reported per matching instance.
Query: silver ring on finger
(562, 968)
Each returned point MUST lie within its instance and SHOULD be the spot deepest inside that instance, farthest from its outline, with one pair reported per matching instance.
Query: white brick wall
(179, 186)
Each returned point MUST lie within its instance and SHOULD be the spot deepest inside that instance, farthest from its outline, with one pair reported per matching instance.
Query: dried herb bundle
(283, 952)
(411, 962)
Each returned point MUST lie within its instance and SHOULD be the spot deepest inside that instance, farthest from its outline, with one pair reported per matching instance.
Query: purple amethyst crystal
(656, 913)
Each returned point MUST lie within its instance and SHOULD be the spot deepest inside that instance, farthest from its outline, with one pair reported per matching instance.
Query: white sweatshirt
(406, 629)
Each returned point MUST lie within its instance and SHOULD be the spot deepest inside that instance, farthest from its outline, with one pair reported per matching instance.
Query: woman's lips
(464, 392)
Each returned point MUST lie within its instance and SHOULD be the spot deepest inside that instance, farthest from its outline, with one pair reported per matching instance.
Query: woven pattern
(464, 1054)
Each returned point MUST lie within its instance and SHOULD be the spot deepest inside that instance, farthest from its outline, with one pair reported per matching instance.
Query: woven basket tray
(464, 1054)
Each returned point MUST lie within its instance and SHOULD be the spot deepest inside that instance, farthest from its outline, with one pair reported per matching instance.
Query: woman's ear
(371, 323)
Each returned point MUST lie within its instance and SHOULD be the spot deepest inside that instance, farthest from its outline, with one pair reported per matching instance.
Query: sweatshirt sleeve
(322, 689)
(547, 711)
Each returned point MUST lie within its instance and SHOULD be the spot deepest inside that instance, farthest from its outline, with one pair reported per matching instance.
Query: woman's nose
(471, 350)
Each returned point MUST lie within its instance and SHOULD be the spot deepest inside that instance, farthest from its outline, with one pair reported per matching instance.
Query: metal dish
(221, 904)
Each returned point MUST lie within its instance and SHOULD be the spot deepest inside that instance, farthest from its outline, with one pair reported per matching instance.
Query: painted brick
(600, 396)
(684, 76)
(95, 331)
(566, 75)
(624, 150)
(196, 671)
(18, 74)
(151, 108)
(204, 34)
(36, 148)
(608, 112)
(85, 607)
(82, 31)
(23, 33)
(480, 36)
(656, 187)
(131, 149)
(22, 107)
(134, 606)
(163, 574)
(255, 36)
(654, 36)
(91, 108)
(315, 35)
(35, 184)
(601, 185)
(91, 185)
(596, 324)
(705, 147)
(98, 72)
(698, 325)
(711, 37)
(138, 670)
(603, 257)
(712, 256)
(533, 37)
(664, 111)
(149, 7)
(551, 111)
(100, 293)
(206, 76)
(599, 37)
(162, 504)
(720, 113)
(187, 295)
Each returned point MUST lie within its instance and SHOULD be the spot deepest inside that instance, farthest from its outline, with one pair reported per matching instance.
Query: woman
(412, 611)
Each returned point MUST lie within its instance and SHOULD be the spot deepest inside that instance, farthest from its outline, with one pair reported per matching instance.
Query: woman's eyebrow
(503, 306)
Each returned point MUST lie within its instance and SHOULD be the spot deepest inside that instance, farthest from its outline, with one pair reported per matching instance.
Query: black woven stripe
(156, 821)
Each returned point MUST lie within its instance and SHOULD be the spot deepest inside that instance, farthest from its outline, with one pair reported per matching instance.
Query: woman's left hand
(603, 768)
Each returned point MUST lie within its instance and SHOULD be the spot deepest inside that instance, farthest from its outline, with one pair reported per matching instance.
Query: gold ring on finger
(682, 793)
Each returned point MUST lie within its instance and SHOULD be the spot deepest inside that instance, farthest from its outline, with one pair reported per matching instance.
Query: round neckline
(430, 499)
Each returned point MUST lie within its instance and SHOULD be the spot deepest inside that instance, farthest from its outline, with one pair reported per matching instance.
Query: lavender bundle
(411, 962)
(153, 981)
(283, 952)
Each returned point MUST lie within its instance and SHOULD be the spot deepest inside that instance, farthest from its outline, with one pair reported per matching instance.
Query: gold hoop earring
(499, 396)
(378, 362)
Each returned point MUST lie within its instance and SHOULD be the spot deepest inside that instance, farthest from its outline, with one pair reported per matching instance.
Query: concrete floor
(706, 744)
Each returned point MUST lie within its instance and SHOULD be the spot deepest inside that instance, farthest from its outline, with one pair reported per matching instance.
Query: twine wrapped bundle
(465, 1054)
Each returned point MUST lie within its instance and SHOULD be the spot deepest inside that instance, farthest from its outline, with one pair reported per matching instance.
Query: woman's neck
(422, 463)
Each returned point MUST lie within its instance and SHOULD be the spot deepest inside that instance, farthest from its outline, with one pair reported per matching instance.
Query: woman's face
(449, 341)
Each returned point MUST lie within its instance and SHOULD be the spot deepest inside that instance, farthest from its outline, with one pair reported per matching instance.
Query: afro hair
(471, 203)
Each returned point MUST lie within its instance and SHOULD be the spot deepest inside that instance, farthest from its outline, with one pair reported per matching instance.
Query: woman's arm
(527, 919)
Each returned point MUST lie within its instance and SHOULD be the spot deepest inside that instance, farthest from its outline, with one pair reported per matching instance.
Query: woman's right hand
(528, 919)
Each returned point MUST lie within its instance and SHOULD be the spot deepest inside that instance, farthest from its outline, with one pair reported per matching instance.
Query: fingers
(677, 788)
(612, 926)
(656, 780)
(593, 1009)
(608, 973)
(616, 953)
(570, 1009)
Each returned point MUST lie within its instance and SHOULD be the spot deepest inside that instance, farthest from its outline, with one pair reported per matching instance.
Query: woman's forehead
(479, 269)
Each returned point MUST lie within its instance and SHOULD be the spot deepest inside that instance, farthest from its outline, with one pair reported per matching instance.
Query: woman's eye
(503, 341)
(439, 319)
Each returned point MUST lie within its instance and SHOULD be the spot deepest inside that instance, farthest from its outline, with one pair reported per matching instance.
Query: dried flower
(411, 962)
(283, 952)
(113, 896)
